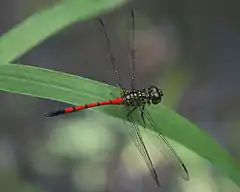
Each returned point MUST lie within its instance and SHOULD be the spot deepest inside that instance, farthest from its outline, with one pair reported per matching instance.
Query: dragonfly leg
(142, 116)
(130, 112)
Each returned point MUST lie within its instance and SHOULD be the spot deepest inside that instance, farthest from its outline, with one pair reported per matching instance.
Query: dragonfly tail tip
(54, 113)
(48, 114)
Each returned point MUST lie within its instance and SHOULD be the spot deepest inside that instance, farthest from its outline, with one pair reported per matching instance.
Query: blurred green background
(190, 48)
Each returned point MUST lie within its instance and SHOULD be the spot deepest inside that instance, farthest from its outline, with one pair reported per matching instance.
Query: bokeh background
(190, 48)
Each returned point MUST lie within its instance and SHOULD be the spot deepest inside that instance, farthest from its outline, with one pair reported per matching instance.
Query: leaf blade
(67, 88)
(42, 25)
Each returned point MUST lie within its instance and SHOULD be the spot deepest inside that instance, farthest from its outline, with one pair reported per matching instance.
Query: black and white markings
(139, 97)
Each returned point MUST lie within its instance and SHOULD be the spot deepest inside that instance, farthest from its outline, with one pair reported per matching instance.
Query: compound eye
(156, 99)
(156, 94)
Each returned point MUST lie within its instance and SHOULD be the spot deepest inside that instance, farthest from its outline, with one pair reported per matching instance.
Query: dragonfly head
(156, 94)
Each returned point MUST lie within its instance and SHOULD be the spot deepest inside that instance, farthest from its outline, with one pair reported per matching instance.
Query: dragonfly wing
(165, 146)
(135, 134)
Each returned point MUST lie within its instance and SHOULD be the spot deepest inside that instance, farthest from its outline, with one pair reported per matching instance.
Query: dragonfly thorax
(137, 97)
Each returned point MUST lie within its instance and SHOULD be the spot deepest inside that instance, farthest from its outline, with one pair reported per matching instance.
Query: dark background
(190, 48)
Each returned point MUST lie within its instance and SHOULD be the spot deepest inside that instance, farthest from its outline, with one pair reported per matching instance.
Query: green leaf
(43, 24)
(59, 86)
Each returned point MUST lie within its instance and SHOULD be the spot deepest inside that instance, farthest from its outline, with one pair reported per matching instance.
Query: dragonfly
(135, 101)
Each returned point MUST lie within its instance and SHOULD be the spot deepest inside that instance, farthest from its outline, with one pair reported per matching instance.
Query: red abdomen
(117, 101)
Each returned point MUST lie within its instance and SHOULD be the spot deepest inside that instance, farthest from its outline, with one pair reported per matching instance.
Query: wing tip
(155, 177)
(186, 171)
(158, 183)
